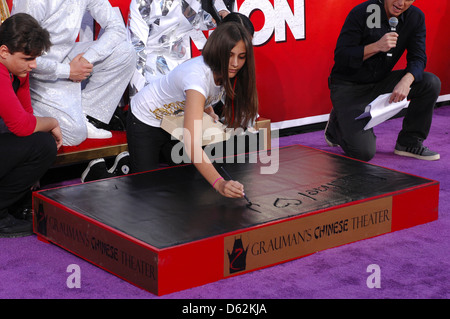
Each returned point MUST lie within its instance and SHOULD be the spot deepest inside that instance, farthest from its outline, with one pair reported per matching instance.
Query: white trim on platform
(443, 98)
(300, 122)
(322, 118)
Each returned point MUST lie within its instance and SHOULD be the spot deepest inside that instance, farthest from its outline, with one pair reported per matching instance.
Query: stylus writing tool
(229, 177)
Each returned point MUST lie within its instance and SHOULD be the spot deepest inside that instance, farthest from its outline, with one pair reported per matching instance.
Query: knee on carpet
(433, 82)
(365, 154)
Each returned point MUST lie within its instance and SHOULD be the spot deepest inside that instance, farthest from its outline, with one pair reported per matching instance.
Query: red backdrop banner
(295, 41)
(292, 73)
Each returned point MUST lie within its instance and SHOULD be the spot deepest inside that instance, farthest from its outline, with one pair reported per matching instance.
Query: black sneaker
(117, 123)
(417, 151)
(22, 209)
(121, 165)
(24, 213)
(95, 170)
(11, 227)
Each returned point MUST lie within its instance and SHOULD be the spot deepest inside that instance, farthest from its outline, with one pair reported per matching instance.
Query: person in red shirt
(28, 144)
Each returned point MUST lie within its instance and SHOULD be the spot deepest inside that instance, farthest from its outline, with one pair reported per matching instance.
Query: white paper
(380, 110)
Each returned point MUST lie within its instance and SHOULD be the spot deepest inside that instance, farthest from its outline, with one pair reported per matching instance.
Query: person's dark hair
(242, 19)
(241, 100)
(22, 33)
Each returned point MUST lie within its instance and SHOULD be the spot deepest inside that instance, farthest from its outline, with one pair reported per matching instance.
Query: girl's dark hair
(242, 19)
(22, 33)
(241, 101)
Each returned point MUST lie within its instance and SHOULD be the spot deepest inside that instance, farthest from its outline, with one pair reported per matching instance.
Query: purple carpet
(414, 263)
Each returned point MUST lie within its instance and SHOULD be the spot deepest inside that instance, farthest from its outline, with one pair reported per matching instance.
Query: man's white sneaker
(93, 132)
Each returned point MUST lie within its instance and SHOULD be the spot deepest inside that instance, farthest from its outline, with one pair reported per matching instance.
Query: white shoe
(93, 132)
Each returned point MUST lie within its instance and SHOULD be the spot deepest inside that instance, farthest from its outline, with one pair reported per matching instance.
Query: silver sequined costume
(52, 93)
(160, 32)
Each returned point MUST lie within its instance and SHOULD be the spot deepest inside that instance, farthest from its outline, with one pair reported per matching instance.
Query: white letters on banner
(277, 18)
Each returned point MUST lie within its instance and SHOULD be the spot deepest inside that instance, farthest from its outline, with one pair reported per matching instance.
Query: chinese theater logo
(238, 257)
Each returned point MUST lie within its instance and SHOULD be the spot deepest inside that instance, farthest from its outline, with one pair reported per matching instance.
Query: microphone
(393, 22)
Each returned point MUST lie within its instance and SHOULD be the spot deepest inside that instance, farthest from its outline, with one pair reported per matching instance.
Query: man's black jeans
(23, 161)
(350, 100)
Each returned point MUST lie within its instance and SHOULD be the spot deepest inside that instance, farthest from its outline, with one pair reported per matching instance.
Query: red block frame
(198, 262)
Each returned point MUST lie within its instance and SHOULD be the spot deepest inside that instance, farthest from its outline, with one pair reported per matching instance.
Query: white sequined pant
(98, 96)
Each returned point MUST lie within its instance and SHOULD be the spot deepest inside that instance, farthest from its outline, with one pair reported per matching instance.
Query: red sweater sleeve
(16, 110)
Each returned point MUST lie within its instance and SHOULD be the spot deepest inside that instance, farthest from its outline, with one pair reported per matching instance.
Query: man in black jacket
(366, 52)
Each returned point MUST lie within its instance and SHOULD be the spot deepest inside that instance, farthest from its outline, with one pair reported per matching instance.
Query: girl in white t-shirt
(225, 69)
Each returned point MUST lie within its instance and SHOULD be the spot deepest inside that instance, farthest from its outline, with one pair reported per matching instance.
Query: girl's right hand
(231, 189)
